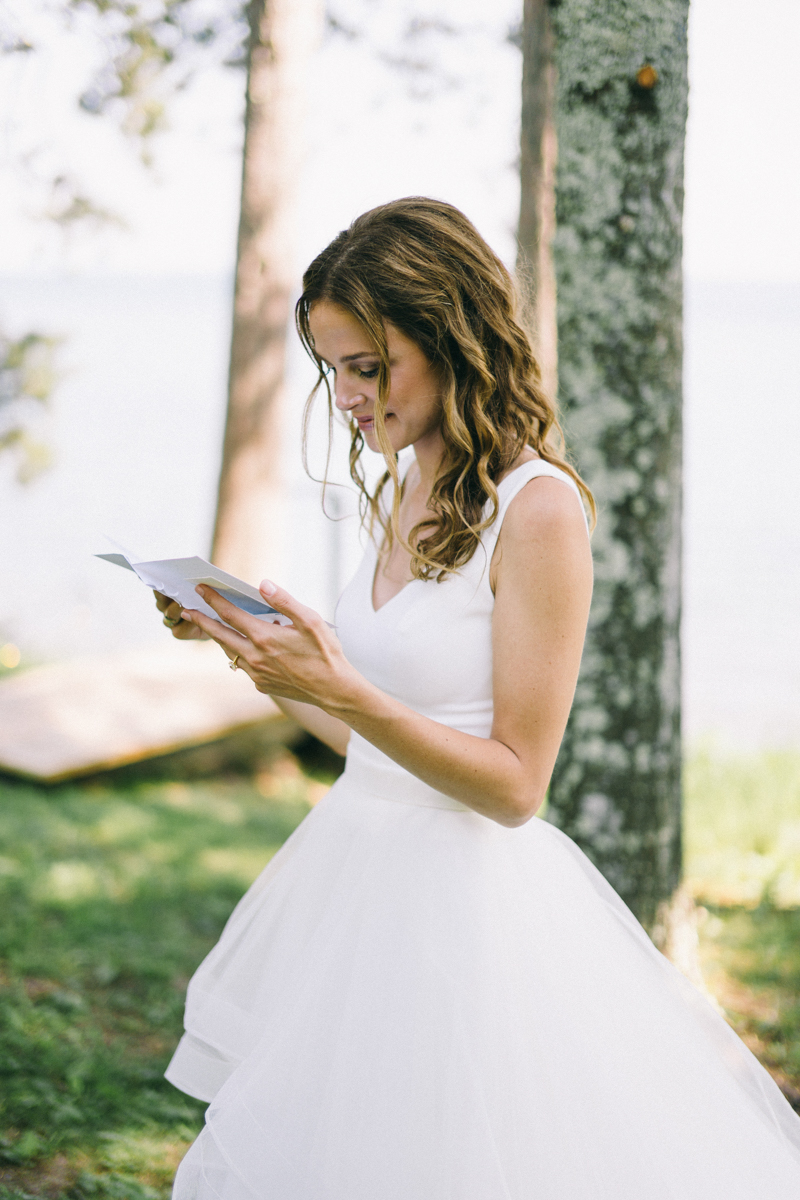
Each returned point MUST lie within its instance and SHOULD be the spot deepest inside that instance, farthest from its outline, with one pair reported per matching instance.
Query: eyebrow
(361, 354)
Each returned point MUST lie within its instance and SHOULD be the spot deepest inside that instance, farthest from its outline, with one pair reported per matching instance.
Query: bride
(427, 994)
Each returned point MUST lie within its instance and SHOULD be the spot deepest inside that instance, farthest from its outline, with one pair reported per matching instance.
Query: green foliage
(152, 50)
(70, 207)
(109, 898)
(26, 368)
(28, 375)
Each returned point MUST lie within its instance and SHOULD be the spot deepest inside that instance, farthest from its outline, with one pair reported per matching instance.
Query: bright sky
(369, 141)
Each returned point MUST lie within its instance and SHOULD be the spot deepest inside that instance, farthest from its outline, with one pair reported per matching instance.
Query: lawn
(742, 856)
(113, 890)
(110, 894)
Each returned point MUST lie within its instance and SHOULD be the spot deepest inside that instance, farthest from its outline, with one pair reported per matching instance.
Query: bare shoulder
(544, 508)
(544, 523)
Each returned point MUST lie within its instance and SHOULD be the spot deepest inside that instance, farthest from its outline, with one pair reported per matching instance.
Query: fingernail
(201, 591)
(185, 615)
(268, 587)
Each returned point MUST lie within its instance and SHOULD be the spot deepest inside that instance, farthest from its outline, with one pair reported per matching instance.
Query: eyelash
(362, 374)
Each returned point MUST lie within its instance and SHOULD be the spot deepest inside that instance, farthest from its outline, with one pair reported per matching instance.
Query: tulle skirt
(414, 1003)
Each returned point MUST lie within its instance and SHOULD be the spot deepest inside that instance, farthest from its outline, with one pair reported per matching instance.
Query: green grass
(742, 828)
(110, 896)
(742, 864)
(751, 964)
(112, 891)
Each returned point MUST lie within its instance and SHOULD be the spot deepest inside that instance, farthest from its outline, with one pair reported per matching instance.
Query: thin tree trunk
(621, 100)
(250, 517)
(538, 152)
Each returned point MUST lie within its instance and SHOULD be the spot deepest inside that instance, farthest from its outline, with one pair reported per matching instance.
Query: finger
(186, 632)
(172, 613)
(170, 608)
(237, 663)
(300, 614)
(250, 627)
(233, 644)
(229, 639)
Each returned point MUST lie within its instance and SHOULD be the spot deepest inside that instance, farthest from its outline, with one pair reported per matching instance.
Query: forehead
(337, 332)
(339, 335)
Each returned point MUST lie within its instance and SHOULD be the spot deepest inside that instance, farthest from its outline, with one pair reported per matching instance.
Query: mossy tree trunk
(247, 534)
(620, 113)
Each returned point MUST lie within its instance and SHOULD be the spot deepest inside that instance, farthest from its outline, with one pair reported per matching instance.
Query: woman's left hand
(302, 661)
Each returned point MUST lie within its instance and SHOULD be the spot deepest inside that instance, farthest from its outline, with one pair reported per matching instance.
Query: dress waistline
(374, 775)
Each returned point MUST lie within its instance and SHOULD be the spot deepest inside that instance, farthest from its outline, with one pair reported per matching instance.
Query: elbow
(338, 743)
(520, 808)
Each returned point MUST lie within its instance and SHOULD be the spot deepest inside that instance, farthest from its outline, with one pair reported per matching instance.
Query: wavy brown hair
(422, 266)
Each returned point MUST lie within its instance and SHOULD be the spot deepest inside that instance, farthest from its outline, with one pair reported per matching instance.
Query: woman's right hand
(184, 631)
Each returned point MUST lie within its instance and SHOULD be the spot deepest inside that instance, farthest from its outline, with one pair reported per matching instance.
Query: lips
(369, 422)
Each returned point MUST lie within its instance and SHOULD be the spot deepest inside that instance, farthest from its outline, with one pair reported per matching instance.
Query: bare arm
(543, 590)
(315, 720)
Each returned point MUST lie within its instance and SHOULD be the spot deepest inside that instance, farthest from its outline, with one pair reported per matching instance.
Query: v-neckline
(374, 573)
(374, 576)
(407, 585)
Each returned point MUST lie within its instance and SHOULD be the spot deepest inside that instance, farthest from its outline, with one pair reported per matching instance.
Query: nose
(346, 397)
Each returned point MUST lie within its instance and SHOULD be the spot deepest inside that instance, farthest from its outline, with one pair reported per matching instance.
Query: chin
(371, 442)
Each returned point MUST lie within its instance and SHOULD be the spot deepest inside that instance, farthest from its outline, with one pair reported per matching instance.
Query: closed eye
(366, 372)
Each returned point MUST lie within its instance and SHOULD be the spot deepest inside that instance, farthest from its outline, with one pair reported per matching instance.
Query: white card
(178, 577)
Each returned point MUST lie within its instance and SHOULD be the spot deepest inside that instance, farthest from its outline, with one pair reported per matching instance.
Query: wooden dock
(76, 718)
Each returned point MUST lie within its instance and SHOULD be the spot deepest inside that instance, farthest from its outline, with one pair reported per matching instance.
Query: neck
(429, 453)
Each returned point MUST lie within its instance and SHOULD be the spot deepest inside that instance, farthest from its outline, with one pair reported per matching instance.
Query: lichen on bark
(621, 103)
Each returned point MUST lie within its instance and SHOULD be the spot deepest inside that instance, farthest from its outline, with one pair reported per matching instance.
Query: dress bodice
(429, 647)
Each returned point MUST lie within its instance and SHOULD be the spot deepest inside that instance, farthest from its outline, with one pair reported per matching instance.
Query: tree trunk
(247, 534)
(621, 100)
(537, 184)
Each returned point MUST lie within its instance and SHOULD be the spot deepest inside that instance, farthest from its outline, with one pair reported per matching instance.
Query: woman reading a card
(428, 993)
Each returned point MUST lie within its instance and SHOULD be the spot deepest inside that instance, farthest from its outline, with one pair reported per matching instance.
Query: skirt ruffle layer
(414, 1003)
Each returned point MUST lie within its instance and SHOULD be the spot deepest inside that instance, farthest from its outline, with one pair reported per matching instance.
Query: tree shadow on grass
(751, 962)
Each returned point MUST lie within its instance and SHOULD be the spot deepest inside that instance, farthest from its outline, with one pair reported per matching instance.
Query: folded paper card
(178, 577)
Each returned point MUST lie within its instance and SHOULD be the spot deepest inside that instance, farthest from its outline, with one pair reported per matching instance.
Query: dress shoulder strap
(515, 481)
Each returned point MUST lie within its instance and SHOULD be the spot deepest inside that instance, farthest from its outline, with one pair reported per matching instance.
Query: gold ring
(172, 621)
(233, 663)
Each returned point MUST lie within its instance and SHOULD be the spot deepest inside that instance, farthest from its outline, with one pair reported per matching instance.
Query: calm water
(136, 429)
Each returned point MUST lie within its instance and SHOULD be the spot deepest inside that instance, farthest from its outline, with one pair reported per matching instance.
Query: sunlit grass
(751, 964)
(110, 895)
(742, 828)
(742, 860)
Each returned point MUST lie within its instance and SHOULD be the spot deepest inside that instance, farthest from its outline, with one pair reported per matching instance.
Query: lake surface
(136, 427)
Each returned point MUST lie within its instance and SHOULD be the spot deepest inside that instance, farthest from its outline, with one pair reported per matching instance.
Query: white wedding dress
(413, 1002)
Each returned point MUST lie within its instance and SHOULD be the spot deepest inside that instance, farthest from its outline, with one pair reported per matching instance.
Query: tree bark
(621, 100)
(248, 530)
(538, 150)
